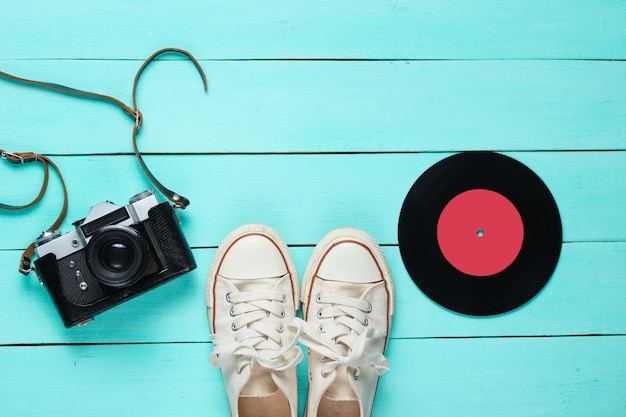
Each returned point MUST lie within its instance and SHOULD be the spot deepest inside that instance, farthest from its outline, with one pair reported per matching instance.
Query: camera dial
(47, 236)
(140, 196)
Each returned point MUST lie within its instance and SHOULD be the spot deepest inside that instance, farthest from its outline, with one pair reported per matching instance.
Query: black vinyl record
(480, 233)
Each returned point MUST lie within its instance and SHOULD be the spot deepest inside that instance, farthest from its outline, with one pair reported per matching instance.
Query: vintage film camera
(114, 254)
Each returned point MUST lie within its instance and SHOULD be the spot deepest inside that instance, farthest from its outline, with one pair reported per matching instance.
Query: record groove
(480, 233)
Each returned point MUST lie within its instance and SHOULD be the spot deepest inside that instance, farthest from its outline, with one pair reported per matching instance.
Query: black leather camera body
(114, 254)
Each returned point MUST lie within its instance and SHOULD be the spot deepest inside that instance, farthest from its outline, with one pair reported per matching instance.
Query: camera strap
(178, 200)
(21, 158)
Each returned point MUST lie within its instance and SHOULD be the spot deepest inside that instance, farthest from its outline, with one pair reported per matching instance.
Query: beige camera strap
(178, 200)
(21, 158)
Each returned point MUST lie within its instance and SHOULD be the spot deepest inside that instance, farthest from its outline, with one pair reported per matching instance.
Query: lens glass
(117, 256)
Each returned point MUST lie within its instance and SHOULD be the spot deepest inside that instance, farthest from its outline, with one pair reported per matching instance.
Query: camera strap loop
(21, 158)
(178, 200)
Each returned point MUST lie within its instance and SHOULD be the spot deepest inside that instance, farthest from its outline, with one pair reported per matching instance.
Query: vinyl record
(480, 233)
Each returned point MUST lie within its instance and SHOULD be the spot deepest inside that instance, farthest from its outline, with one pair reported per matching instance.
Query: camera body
(114, 254)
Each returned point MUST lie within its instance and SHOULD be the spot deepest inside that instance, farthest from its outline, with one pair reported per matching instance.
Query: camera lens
(117, 255)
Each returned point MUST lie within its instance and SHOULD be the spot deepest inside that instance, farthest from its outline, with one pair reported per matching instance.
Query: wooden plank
(533, 376)
(303, 196)
(579, 299)
(513, 377)
(404, 29)
(320, 106)
(584, 296)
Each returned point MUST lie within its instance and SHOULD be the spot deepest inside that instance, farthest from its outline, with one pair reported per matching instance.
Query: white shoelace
(258, 327)
(342, 341)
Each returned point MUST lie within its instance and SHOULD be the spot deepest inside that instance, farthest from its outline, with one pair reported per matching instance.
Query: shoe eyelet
(324, 374)
(232, 312)
(284, 299)
(281, 329)
(318, 299)
(228, 298)
(282, 314)
(366, 322)
(355, 375)
(239, 371)
(281, 344)
(233, 327)
(369, 308)
(321, 329)
(319, 314)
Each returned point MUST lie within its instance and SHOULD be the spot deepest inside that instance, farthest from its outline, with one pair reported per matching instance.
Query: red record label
(480, 232)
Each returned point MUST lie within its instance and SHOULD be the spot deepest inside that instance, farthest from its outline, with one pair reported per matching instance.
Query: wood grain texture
(320, 106)
(584, 296)
(318, 115)
(303, 196)
(398, 29)
(519, 377)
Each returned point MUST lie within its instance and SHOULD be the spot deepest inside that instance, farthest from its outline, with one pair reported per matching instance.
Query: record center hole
(480, 233)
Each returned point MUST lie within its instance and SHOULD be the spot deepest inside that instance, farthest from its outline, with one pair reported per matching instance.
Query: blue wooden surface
(319, 115)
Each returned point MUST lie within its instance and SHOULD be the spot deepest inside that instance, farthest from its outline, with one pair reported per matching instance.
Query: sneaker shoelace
(343, 340)
(258, 327)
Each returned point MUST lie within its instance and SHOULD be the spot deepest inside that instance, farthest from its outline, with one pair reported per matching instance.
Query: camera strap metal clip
(11, 157)
(20, 158)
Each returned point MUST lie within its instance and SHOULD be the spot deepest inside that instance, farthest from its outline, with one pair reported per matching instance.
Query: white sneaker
(348, 301)
(252, 298)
